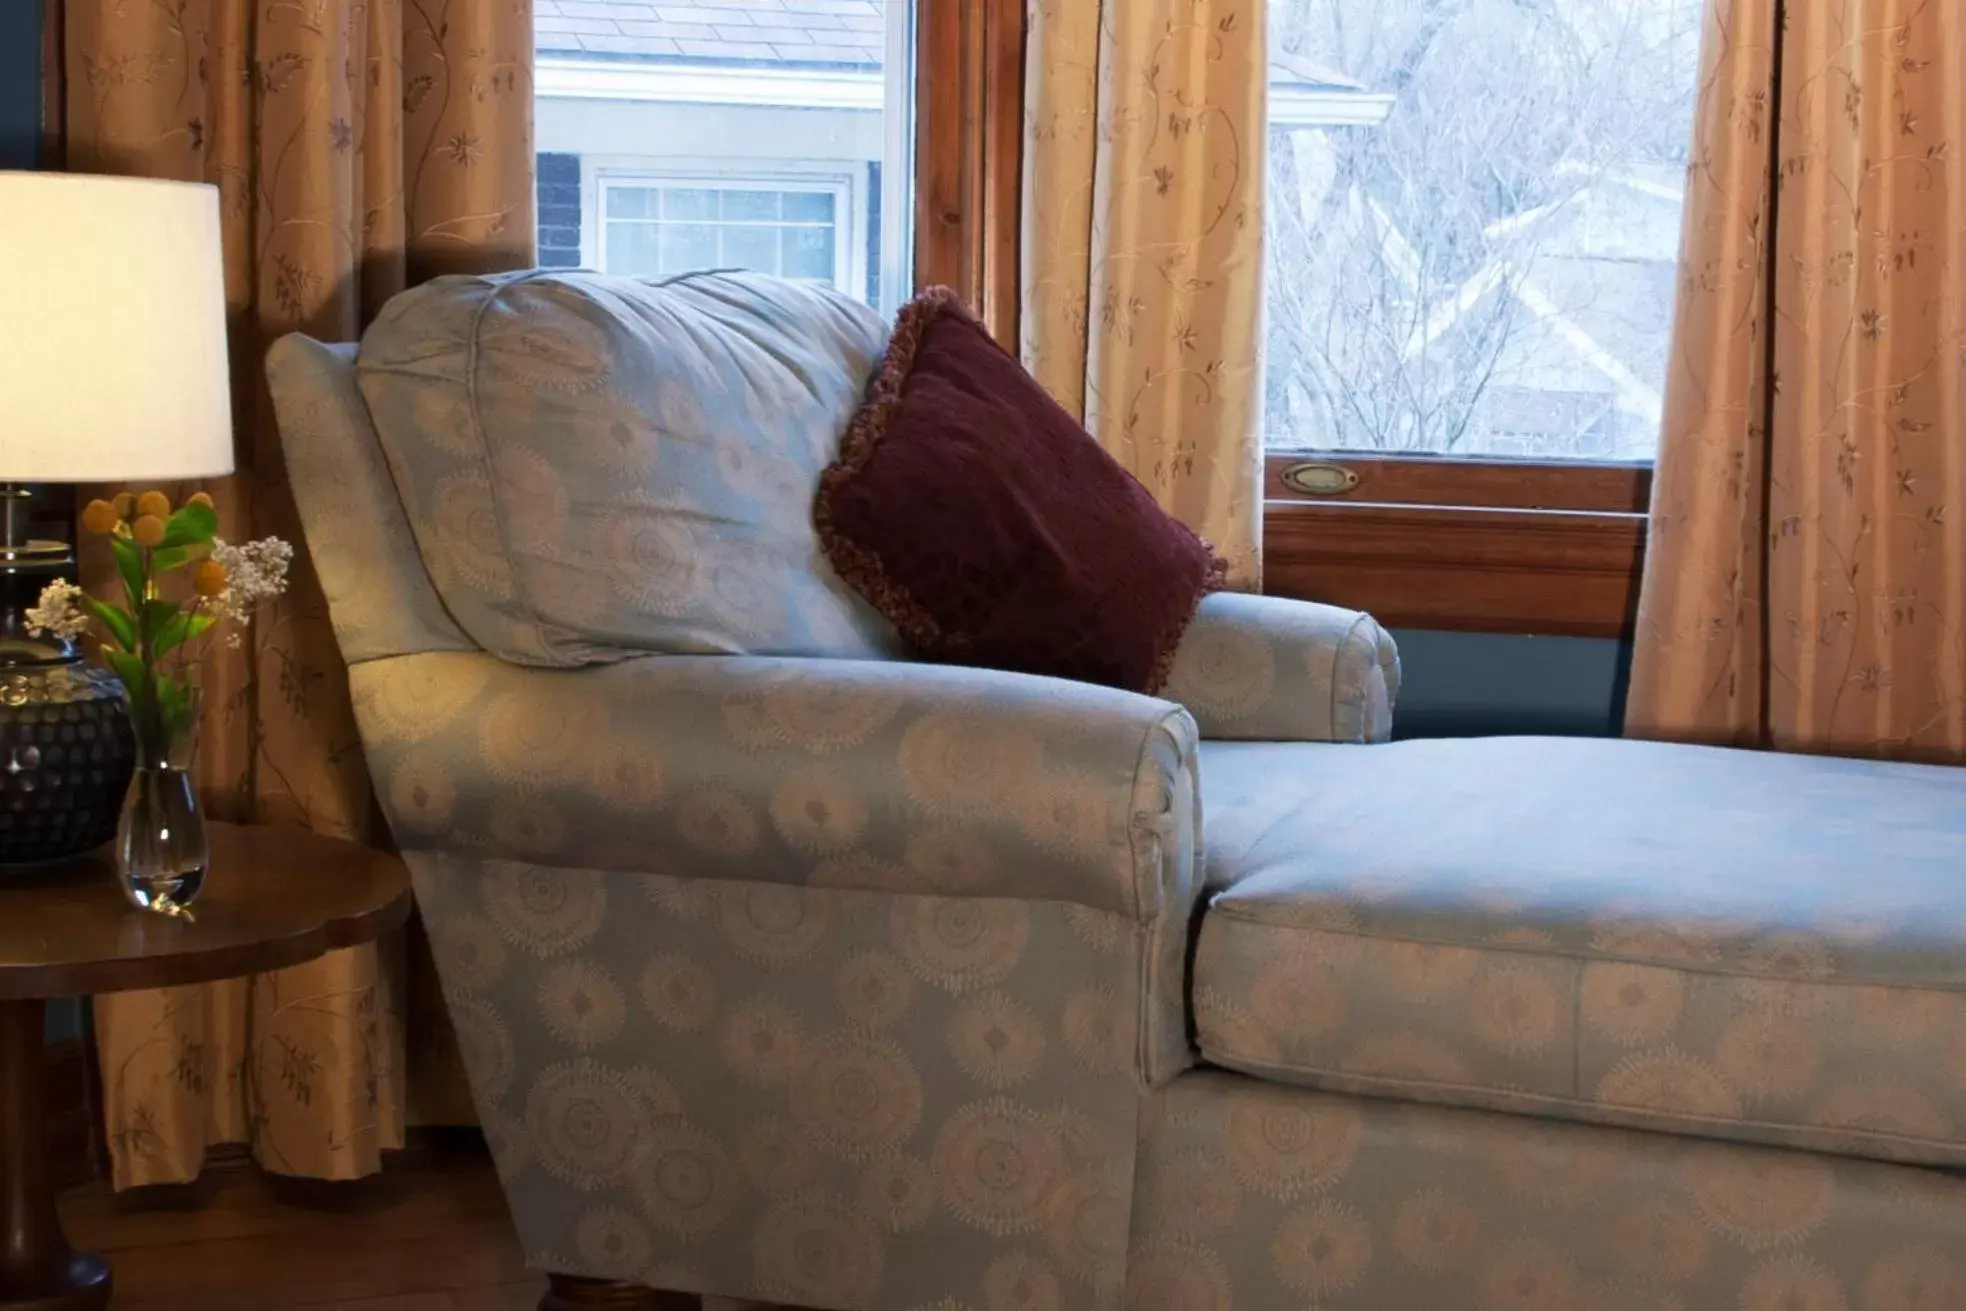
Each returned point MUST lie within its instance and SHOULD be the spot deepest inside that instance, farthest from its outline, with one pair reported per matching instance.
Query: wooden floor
(431, 1235)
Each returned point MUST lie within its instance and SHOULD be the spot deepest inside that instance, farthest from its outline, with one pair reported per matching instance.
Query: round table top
(273, 897)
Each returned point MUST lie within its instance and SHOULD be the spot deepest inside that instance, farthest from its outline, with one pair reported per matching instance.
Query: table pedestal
(38, 1270)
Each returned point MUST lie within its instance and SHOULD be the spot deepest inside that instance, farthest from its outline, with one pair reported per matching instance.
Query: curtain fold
(358, 146)
(1805, 586)
(1143, 246)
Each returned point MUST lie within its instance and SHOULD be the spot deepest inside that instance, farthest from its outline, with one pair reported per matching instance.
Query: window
(653, 228)
(729, 134)
(1474, 213)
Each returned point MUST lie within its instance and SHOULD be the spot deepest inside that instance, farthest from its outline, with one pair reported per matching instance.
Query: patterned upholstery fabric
(598, 466)
(1259, 1197)
(380, 598)
(846, 984)
(1756, 947)
(1263, 668)
(824, 773)
(831, 1099)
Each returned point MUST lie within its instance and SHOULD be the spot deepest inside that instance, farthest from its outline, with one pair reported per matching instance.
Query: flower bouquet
(153, 641)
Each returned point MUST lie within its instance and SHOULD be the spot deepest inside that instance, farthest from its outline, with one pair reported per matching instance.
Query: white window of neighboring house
(657, 226)
(767, 134)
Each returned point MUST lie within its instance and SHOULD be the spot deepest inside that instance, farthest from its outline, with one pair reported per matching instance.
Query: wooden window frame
(1506, 546)
(1496, 546)
(969, 153)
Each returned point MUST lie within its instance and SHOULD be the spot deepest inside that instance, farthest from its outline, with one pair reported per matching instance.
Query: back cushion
(596, 467)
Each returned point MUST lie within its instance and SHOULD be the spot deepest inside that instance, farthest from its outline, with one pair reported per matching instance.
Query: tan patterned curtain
(359, 146)
(1143, 245)
(1806, 583)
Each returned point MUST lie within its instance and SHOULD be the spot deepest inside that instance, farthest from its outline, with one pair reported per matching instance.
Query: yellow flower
(148, 530)
(154, 503)
(100, 517)
(200, 498)
(125, 504)
(210, 579)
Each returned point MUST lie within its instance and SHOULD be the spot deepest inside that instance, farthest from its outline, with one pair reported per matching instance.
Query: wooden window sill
(1493, 547)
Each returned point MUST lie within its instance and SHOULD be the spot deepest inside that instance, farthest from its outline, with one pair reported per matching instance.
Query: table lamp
(113, 368)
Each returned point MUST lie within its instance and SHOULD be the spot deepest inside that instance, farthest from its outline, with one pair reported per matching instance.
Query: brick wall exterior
(559, 211)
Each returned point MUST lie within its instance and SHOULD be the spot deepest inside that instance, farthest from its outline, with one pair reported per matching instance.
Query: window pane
(729, 115)
(751, 248)
(687, 246)
(688, 203)
(742, 205)
(632, 249)
(631, 202)
(1475, 216)
(809, 253)
(809, 206)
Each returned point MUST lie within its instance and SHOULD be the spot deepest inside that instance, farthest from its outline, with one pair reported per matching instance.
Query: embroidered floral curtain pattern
(1143, 245)
(1805, 587)
(358, 146)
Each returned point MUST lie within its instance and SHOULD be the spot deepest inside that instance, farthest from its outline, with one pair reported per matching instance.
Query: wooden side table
(273, 898)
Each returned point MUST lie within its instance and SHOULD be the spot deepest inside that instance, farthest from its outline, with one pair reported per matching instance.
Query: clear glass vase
(161, 850)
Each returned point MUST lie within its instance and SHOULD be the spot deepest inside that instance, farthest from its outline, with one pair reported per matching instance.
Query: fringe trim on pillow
(1215, 580)
(860, 568)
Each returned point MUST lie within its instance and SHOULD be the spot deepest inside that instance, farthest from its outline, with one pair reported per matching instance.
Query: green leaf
(151, 619)
(129, 563)
(174, 706)
(130, 670)
(116, 619)
(192, 525)
(177, 630)
(166, 558)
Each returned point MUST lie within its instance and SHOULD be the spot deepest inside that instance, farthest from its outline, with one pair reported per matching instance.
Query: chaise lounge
(787, 969)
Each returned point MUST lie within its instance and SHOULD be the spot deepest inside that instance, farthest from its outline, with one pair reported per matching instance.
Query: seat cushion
(1748, 946)
(597, 467)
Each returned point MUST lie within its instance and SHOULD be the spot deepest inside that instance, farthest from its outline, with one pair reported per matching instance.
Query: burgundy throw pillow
(990, 528)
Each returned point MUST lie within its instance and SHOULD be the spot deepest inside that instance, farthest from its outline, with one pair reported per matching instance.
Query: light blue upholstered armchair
(782, 967)
(787, 969)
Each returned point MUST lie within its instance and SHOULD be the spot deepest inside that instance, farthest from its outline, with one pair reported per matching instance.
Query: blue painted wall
(20, 83)
(1473, 684)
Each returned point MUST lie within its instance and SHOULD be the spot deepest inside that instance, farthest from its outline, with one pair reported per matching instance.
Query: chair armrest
(1262, 668)
(854, 775)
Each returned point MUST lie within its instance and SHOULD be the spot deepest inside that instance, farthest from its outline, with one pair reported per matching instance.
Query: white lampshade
(112, 331)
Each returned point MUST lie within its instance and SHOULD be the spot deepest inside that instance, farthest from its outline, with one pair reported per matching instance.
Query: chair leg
(571, 1293)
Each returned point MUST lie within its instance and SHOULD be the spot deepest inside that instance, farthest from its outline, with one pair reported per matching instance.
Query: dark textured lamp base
(66, 748)
(66, 753)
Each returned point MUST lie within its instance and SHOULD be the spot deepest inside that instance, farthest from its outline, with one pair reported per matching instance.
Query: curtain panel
(358, 146)
(1805, 585)
(1144, 150)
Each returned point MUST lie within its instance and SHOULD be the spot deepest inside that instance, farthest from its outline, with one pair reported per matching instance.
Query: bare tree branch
(1397, 249)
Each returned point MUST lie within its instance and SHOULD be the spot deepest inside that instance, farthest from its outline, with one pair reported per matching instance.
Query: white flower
(60, 612)
(254, 571)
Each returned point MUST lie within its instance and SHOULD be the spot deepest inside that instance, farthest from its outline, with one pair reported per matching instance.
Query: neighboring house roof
(1598, 278)
(825, 33)
(1592, 326)
(1616, 314)
(1633, 213)
(1288, 70)
(805, 33)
